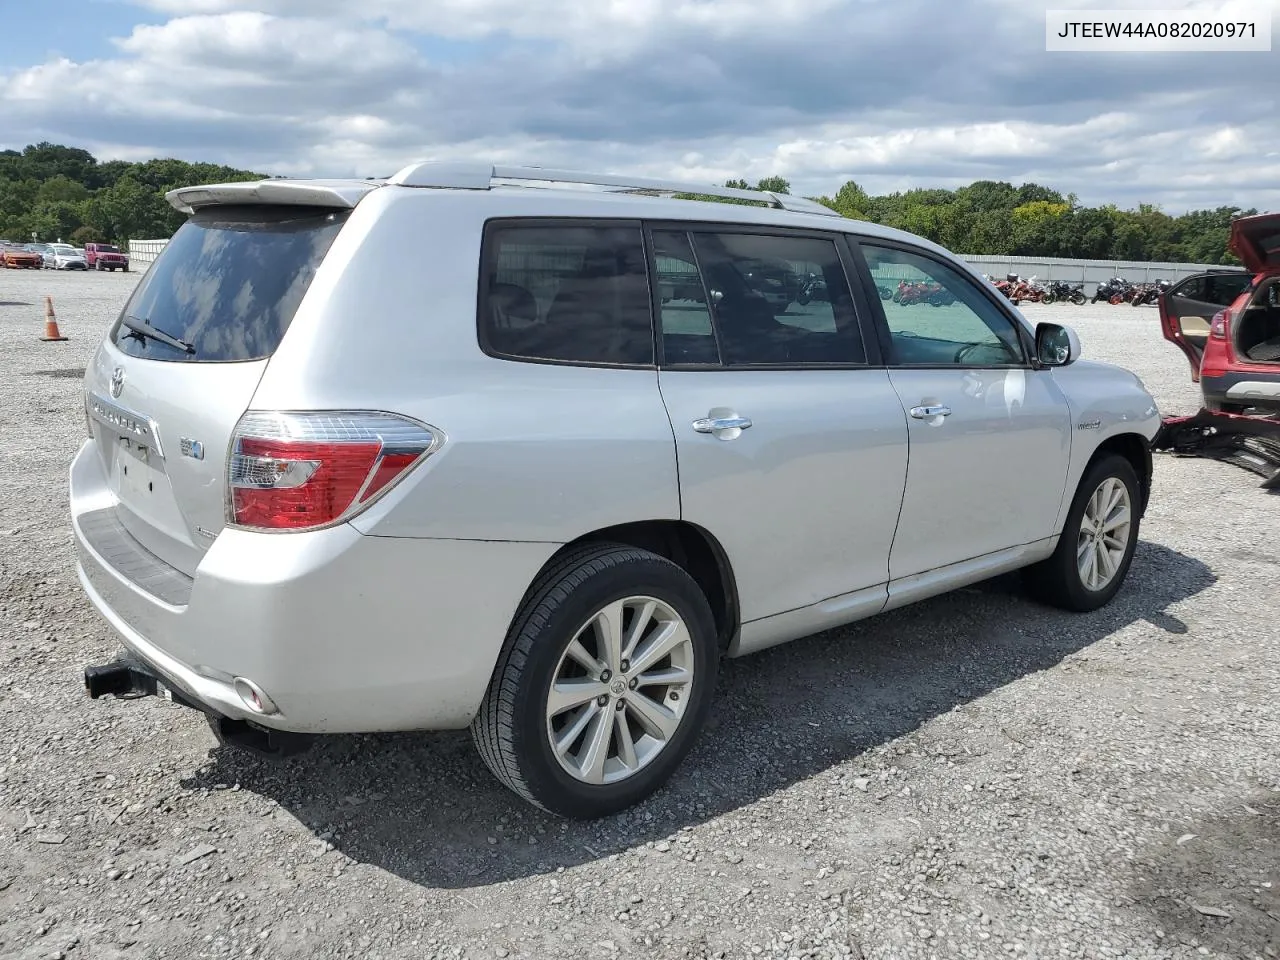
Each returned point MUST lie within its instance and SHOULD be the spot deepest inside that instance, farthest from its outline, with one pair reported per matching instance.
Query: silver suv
(528, 451)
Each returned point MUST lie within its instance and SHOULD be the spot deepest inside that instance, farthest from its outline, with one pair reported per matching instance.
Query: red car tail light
(300, 471)
(1218, 325)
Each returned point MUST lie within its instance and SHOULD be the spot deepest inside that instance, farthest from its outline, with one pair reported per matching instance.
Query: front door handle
(928, 413)
(724, 428)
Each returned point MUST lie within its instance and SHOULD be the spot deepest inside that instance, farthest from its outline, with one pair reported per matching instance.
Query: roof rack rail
(464, 176)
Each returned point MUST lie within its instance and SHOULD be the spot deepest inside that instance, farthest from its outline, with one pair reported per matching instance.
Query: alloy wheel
(620, 690)
(1104, 534)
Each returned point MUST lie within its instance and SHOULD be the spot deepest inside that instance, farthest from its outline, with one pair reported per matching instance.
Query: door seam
(906, 476)
(675, 446)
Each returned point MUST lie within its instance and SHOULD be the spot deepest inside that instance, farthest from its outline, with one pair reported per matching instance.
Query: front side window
(778, 300)
(566, 293)
(936, 316)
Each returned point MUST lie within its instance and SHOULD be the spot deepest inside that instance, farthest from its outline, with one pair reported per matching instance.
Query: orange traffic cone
(51, 331)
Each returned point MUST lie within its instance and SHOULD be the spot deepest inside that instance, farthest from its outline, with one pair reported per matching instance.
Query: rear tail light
(1218, 325)
(300, 471)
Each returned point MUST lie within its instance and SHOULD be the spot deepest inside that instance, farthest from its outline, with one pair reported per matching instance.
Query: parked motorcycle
(1145, 293)
(1060, 291)
(1030, 289)
(1005, 286)
(1115, 290)
(814, 287)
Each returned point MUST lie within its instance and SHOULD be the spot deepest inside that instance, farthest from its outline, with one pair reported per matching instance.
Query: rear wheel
(603, 683)
(1098, 540)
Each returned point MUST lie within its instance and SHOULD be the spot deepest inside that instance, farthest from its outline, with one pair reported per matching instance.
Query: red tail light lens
(1218, 325)
(299, 471)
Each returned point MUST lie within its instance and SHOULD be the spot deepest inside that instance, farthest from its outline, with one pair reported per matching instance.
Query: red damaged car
(1228, 322)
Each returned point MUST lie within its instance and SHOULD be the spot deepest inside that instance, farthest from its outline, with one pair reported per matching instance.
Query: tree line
(54, 193)
(994, 218)
(51, 192)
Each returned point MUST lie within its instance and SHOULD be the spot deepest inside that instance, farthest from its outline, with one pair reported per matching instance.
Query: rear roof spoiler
(342, 194)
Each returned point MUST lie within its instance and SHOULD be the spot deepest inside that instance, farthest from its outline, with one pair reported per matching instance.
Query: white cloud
(893, 93)
(606, 21)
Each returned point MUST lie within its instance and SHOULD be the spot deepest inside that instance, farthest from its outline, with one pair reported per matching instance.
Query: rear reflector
(299, 471)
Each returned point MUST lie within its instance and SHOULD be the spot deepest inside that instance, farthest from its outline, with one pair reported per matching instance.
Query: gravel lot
(975, 776)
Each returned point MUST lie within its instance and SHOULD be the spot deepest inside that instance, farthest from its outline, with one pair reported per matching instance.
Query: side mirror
(1056, 345)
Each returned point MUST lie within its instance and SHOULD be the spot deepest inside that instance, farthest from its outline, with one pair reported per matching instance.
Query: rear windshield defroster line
(229, 282)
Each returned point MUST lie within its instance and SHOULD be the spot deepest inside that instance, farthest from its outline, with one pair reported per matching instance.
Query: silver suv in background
(528, 451)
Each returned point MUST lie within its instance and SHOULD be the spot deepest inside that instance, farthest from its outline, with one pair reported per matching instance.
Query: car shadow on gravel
(425, 808)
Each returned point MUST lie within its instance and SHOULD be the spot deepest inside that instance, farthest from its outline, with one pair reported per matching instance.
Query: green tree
(774, 184)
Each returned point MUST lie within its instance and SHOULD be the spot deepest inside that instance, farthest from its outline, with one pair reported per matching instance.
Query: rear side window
(778, 300)
(229, 282)
(566, 293)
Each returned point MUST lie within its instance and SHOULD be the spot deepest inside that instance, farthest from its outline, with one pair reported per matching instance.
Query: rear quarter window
(229, 282)
(566, 293)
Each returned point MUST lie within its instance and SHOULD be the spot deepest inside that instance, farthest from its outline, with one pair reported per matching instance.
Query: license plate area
(138, 474)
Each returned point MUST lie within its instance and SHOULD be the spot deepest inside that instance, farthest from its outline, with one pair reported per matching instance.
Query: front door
(1187, 309)
(990, 437)
(791, 449)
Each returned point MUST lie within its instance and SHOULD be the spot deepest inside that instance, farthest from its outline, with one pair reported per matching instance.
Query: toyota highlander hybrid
(529, 451)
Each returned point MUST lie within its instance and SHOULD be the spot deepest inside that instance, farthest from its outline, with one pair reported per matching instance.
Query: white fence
(143, 252)
(1090, 272)
(1045, 268)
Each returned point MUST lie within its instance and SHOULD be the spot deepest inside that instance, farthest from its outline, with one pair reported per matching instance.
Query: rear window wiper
(141, 329)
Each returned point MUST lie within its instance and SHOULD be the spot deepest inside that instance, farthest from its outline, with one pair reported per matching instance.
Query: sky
(894, 94)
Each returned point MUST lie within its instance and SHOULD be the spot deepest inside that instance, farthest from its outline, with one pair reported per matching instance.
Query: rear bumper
(344, 633)
(1249, 388)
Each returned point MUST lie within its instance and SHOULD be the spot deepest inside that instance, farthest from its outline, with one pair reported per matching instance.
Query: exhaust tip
(253, 696)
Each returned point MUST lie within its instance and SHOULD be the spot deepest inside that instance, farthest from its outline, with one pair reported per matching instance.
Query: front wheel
(1097, 543)
(1078, 299)
(603, 683)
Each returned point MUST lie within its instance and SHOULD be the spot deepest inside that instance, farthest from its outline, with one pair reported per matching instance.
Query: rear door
(1187, 309)
(792, 447)
(162, 412)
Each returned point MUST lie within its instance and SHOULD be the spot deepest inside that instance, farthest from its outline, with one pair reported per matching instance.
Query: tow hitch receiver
(120, 678)
(1251, 442)
(127, 678)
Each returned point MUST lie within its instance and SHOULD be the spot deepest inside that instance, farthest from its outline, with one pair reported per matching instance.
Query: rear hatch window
(226, 287)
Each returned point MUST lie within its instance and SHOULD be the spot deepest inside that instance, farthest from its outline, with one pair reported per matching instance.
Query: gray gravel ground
(976, 776)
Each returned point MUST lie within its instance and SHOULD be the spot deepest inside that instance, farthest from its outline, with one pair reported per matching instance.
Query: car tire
(1064, 580)
(514, 728)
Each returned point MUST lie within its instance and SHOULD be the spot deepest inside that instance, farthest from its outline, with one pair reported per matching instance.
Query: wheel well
(692, 548)
(1134, 448)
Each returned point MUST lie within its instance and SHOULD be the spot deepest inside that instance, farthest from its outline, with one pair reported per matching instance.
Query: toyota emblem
(117, 381)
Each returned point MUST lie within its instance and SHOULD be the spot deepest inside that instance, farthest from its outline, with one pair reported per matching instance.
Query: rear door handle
(928, 413)
(725, 428)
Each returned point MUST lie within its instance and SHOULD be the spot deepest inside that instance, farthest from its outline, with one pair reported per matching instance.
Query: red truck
(103, 256)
